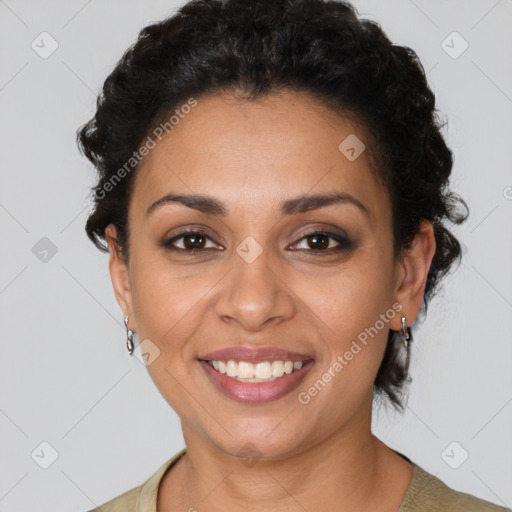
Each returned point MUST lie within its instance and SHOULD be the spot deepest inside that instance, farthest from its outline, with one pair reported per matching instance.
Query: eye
(320, 241)
(192, 241)
(317, 241)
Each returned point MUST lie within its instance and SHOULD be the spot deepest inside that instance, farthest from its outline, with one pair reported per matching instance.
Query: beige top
(425, 493)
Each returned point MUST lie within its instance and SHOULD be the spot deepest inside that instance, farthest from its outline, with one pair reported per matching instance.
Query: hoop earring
(129, 337)
(406, 334)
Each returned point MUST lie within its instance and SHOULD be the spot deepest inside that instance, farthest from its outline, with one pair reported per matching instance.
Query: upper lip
(254, 355)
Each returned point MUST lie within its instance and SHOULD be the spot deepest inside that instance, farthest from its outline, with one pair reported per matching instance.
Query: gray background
(65, 376)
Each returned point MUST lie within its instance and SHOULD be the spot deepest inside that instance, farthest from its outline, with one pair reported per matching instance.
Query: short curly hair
(257, 48)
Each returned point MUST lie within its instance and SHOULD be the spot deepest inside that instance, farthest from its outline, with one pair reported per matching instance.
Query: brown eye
(195, 241)
(192, 241)
(318, 241)
(326, 242)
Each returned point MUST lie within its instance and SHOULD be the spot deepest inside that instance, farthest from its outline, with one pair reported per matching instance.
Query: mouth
(255, 375)
(264, 371)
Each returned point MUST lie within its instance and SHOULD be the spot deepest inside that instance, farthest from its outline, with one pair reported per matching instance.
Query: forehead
(259, 152)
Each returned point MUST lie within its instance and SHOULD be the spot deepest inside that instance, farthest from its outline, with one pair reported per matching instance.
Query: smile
(265, 371)
(247, 382)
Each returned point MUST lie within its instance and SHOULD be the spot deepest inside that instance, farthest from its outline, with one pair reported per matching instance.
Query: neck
(351, 467)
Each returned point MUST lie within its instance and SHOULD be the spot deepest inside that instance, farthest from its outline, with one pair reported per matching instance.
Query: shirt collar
(149, 490)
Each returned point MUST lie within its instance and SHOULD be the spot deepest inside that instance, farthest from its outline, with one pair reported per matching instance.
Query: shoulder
(143, 497)
(427, 493)
(126, 502)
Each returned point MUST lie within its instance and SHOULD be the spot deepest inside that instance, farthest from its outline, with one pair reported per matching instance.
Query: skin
(252, 156)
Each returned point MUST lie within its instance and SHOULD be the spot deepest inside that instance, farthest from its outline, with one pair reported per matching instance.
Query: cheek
(167, 303)
(169, 309)
(352, 311)
(348, 299)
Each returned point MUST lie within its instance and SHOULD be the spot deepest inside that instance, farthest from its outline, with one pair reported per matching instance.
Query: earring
(406, 334)
(129, 337)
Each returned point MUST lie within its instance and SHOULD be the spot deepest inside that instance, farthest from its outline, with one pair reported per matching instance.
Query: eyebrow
(300, 204)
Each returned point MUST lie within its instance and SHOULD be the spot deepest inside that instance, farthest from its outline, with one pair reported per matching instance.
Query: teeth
(277, 369)
(245, 370)
(232, 369)
(263, 371)
(259, 372)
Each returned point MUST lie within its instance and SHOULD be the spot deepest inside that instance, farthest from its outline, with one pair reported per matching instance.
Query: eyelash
(344, 243)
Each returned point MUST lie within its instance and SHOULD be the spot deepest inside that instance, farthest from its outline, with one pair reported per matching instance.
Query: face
(264, 268)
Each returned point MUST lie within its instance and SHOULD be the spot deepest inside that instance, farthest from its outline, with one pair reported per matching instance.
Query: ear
(411, 275)
(120, 276)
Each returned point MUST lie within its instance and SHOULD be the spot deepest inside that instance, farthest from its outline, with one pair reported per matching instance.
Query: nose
(255, 295)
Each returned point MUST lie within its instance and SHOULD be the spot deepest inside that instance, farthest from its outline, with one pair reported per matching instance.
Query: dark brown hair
(315, 46)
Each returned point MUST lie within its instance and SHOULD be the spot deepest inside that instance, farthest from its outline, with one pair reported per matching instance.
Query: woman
(272, 192)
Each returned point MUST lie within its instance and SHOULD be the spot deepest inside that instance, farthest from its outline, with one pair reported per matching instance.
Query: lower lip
(256, 392)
